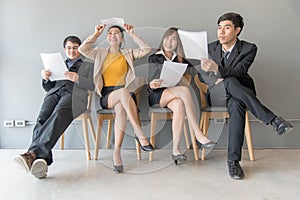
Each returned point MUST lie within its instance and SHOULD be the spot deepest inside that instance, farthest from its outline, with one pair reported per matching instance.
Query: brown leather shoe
(39, 168)
(25, 160)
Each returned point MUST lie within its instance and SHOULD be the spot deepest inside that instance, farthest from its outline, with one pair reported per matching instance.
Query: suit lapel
(234, 53)
(217, 54)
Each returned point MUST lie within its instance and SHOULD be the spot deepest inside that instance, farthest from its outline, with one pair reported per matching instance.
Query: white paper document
(172, 73)
(113, 21)
(55, 64)
(194, 44)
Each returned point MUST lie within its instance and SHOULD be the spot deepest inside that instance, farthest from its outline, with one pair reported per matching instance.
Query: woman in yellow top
(113, 72)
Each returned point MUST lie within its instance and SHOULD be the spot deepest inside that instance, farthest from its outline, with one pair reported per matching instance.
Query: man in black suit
(226, 74)
(64, 101)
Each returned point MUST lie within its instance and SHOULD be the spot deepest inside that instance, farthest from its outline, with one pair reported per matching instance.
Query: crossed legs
(179, 100)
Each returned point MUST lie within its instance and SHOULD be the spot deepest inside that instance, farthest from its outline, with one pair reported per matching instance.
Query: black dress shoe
(281, 126)
(235, 170)
(147, 147)
(179, 159)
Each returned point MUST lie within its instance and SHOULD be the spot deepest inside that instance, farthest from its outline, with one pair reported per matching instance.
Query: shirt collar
(230, 49)
(70, 63)
(162, 53)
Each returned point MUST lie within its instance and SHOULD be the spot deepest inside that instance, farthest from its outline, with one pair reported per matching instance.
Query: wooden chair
(164, 114)
(208, 113)
(108, 114)
(86, 119)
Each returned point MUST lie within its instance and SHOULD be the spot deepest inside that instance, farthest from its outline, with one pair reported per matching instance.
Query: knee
(236, 105)
(119, 110)
(178, 106)
(124, 92)
(184, 91)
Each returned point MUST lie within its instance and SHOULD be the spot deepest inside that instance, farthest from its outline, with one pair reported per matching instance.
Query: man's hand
(72, 76)
(209, 65)
(45, 74)
(156, 83)
(219, 80)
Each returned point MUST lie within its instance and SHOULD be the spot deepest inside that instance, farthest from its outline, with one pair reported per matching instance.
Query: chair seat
(105, 111)
(160, 110)
(214, 109)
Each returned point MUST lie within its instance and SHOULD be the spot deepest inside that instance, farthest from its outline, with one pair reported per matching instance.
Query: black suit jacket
(238, 64)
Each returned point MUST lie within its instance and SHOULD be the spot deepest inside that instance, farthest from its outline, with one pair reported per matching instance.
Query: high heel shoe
(147, 147)
(179, 159)
(118, 168)
(206, 145)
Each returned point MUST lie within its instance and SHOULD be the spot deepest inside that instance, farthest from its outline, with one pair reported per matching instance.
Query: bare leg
(120, 125)
(184, 94)
(177, 107)
(123, 97)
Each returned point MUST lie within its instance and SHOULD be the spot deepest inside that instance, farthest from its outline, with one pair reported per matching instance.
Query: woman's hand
(129, 29)
(45, 74)
(99, 29)
(156, 83)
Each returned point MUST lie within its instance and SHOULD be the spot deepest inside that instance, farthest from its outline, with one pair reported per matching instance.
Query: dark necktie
(225, 57)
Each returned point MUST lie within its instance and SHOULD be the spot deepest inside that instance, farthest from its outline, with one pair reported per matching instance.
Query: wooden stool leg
(205, 130)
(86, 137)
(193, 138)
(98, 135)
(137, 145)
(108, 135)
(249, 137)
(62, 142)
(152, 134)
(91, 125)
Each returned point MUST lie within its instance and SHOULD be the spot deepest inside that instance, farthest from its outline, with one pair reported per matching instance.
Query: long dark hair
(179, 49)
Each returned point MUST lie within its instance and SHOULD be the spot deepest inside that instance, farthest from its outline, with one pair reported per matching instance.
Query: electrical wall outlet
(20, 123)
(9, 123)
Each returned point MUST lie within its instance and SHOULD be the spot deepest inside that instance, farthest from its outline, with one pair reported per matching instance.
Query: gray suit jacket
(79, 90)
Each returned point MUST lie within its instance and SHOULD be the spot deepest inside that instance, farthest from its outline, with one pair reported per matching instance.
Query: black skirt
(105, 92)
(154, 96)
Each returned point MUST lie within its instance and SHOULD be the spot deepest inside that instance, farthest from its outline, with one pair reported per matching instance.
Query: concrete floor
(275, 174)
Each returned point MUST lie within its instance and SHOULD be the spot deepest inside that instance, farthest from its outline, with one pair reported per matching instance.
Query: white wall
(32, 26)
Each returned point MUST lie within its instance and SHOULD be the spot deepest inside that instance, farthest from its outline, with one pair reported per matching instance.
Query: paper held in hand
(172, 73)
(113, 21)
(194, 44)
(55, 64)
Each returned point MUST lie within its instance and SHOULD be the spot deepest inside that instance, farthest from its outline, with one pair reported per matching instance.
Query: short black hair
(235, 18)
(73, 39)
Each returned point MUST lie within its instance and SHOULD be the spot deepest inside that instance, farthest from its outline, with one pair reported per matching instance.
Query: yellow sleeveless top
(115, 68)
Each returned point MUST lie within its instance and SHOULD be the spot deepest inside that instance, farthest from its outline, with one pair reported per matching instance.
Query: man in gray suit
(226, 74)
(65, 100)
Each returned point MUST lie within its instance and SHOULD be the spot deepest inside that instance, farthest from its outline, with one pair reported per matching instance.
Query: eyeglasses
(72, 48)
